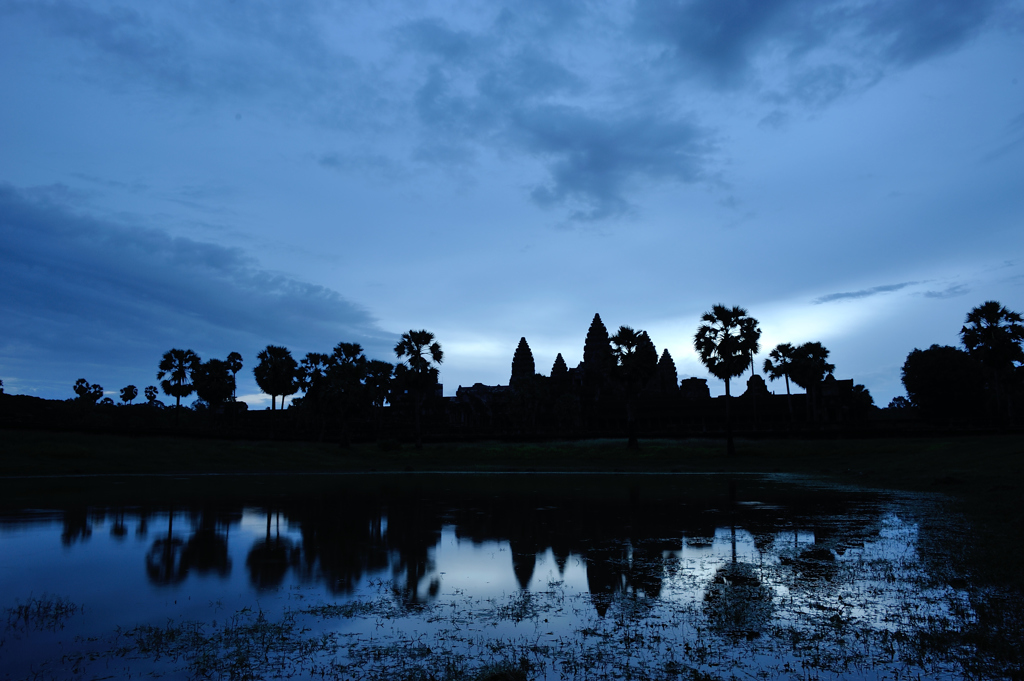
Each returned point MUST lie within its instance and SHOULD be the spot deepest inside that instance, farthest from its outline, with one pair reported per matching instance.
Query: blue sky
(223, 175)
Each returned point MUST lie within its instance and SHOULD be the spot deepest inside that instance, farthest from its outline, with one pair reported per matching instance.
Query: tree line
(620, 372)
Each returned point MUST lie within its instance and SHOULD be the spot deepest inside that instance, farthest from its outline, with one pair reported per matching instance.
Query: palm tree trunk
(730, 446)
(789, 399)
(419, 406)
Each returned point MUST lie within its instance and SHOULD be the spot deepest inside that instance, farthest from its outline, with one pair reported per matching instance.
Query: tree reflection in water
(664, 563)
(736, 601)
(163, 562)
(270, 558)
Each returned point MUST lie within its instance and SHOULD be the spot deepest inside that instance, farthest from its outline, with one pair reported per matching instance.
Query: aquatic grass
(45, 613)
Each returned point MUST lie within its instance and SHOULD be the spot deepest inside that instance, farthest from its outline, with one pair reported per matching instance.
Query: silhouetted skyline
(224, 178)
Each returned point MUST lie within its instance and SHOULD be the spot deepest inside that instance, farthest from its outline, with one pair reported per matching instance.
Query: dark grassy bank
(970, 462)
(984, 472)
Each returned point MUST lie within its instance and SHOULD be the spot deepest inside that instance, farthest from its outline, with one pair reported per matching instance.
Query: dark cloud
(79, 289)
(435, 37)
(594, 157)
(522, 80)
(593, 160)
(865, 293)
(715, 40)
(949, 292)
(909, 31)
(215, 50)
(808, 51)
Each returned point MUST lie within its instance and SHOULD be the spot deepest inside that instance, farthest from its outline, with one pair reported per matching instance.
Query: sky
(221, 175)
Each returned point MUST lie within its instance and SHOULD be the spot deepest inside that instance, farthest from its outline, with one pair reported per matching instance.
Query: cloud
(864, 293)
(910, 31)
(806, 51)
(80, 289)
(594, 160)
(569, 86)
(215, 51)
(949, 292)
(474, 96)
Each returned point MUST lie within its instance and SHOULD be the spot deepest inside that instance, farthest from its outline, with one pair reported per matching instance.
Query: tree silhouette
(86, 392)
(778, 365)
(176, 370)
(151, 392)
(346, 371)
(523, 367)
(418, 354)
(312, 379)
(808, 369)
(993, 335)
(752, 331)
(943, 381)
(129, 393)
(726, 341)
(637, 360)
(379, 381)
(214, 382)
(235, 365)
(276, 373)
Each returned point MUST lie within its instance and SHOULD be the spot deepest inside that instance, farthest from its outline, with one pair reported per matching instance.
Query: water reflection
(748, 555)
(627, 543)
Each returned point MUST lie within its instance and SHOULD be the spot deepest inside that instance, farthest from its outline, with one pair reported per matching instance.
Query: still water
(443, 576)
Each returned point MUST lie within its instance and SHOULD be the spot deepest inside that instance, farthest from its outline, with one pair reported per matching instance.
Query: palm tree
(88, 392)
(993, 335)
(129, 393)
(808, 369)
(778, 365)
(312, 378)
(726, 341)
(213, 382)
(637, 360)
(235, 365)
(346, 372)
(379, 376)
(176, 370)
(751, 330)
(277, 373)
(419, 354)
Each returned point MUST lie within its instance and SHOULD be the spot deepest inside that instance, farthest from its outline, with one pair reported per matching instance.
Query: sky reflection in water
(582, 577)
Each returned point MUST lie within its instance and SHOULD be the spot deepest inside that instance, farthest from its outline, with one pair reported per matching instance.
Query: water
(442, 576)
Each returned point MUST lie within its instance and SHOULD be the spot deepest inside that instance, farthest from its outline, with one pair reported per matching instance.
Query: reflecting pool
(549, 576)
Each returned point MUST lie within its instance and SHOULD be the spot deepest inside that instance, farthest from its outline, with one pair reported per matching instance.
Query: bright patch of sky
(222, 176)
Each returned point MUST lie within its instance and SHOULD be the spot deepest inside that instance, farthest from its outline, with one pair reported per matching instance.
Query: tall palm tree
(346, 373)
(751, 330)
(993, 335)
(419, 354)
(726, 341)
(276, 373)
(808, 369)
(214, 382)
(637, 361)
(778, 365)
(234, 365)
(176, 370)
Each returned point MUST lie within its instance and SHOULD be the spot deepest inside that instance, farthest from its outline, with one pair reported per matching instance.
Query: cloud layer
(88, 291)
